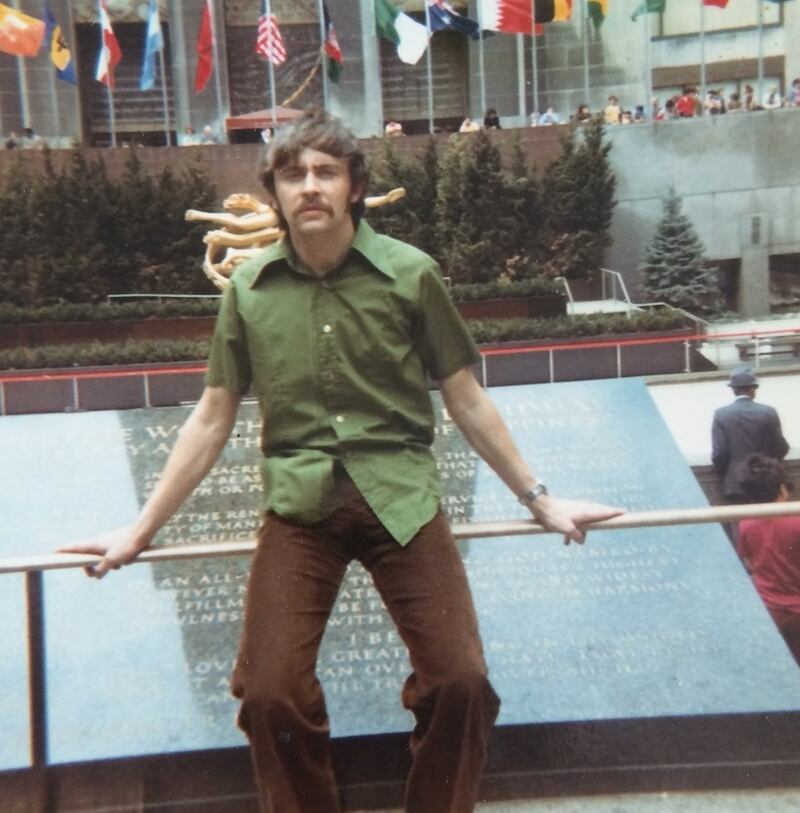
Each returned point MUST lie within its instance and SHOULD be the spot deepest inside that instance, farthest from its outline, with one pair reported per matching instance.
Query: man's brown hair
(317, 130)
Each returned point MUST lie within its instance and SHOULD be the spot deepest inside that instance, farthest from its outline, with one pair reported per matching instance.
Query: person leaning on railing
(336, 329)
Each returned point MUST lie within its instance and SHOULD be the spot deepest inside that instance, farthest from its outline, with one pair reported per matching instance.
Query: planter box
(525, 307)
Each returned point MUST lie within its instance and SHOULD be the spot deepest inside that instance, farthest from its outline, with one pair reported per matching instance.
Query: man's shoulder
(400, 257)
(246, 272)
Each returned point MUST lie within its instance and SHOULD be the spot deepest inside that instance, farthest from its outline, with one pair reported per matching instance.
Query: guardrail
(34, 567)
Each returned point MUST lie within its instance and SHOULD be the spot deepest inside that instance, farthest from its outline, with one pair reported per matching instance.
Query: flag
(60, 55)
(20, 34)
(514, 16)
(154, 43)
(205, 50)
(444, 18)
(269, 42)
(110, 53)
(598, 11)
(562, 11)
(717, 3)
(333, 53)
(649, 7)
(410, 37)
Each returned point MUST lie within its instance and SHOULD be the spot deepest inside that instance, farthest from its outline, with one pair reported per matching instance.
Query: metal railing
(34, 567)
(613, 280)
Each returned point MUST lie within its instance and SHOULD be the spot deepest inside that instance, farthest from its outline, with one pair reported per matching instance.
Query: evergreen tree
(524, 197)
(15, 238)
(578, 193)
(476, 218)
(674, 268)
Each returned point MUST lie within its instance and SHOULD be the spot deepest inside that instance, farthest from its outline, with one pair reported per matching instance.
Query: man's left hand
(569, 517)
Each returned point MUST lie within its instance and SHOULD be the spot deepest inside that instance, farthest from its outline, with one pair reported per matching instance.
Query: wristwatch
(530, 497)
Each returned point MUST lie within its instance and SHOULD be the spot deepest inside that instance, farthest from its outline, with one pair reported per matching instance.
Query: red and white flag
(269, 42)
(515, 16)
(110, 53)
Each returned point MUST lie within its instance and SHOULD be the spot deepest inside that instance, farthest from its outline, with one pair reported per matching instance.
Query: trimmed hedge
(474, 292)
(108, 311)
(484, 331)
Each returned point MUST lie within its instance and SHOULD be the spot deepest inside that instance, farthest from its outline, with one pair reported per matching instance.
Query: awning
(259, 119)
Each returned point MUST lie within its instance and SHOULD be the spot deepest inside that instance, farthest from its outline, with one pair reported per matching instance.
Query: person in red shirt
(686, 106)
(770, 547)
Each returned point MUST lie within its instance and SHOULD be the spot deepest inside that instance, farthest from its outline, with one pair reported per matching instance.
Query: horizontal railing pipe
(474, 530)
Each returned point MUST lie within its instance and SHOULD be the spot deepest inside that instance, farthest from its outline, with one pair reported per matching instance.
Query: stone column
(754, 273)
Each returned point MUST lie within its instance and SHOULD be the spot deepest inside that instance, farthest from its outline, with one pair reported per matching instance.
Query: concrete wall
(723, 167)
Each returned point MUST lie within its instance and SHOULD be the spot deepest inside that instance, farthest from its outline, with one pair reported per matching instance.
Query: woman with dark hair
(491, 121)
(770, 547)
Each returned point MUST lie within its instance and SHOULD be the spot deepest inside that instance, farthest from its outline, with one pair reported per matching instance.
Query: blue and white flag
(444, 18)
(154, 43)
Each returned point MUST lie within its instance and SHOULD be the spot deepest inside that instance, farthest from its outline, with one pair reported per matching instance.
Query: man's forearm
(200, 442)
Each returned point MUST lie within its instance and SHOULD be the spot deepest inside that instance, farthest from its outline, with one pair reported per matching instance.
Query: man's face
(314, 194)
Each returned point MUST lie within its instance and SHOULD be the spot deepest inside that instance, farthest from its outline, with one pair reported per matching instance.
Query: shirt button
(326, 329)
(340, 419)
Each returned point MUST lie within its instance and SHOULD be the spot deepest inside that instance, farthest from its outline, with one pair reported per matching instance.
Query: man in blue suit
(741, 428)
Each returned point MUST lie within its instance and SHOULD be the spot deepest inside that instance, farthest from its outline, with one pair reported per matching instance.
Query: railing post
(34, 595)
(687, 357)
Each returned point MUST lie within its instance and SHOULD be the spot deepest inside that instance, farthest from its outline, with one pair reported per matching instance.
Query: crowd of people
(689, 104)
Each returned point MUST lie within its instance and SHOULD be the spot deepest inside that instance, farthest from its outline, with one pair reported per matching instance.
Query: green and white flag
(410, 37)
(649, 7)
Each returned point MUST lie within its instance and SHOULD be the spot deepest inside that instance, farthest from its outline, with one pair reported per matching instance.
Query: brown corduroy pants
(296, 574)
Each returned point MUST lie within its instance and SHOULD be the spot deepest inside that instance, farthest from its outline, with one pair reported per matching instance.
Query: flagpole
(164, 95)
(54, 98)
(521, 75)
(22, 79)
(648, 79)
(212, 12)
(534, 62)
(271, 69)
(587, 27)
(323, 58)
(703, 56)
(429, 66)
(758, 101)
(480, 61)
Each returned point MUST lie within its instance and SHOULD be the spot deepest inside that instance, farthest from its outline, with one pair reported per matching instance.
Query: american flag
(269, 42)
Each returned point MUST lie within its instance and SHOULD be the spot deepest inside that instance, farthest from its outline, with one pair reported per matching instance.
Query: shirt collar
(365, 242)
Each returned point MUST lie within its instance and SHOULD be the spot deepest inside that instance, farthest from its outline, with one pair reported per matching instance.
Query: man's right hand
(117, 548)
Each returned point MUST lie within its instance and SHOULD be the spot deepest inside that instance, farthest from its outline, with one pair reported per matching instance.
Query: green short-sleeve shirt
(340, 367)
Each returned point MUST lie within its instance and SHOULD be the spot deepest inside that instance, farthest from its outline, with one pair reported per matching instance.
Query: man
(741, 428)
(770, 546)
(335, 329)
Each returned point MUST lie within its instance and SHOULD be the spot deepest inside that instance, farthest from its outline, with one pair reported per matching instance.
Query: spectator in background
(793, 96)
(749, 98)
(735, 103)
(393, 129)
(549, 117)
(770, 547)
(638, 114)
(189, 137)
(582, 114)
(209, 136)
(469, 126)
(491, 120)
(772, 101)
(714, 103)
(626, 117)
(742, 428)
(686, 106)
(613, 112)
(30, 140)
(266, 135)
(11, 141)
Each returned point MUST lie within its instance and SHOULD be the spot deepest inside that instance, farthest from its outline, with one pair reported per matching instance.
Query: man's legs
(425, 589)
(294, 580)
